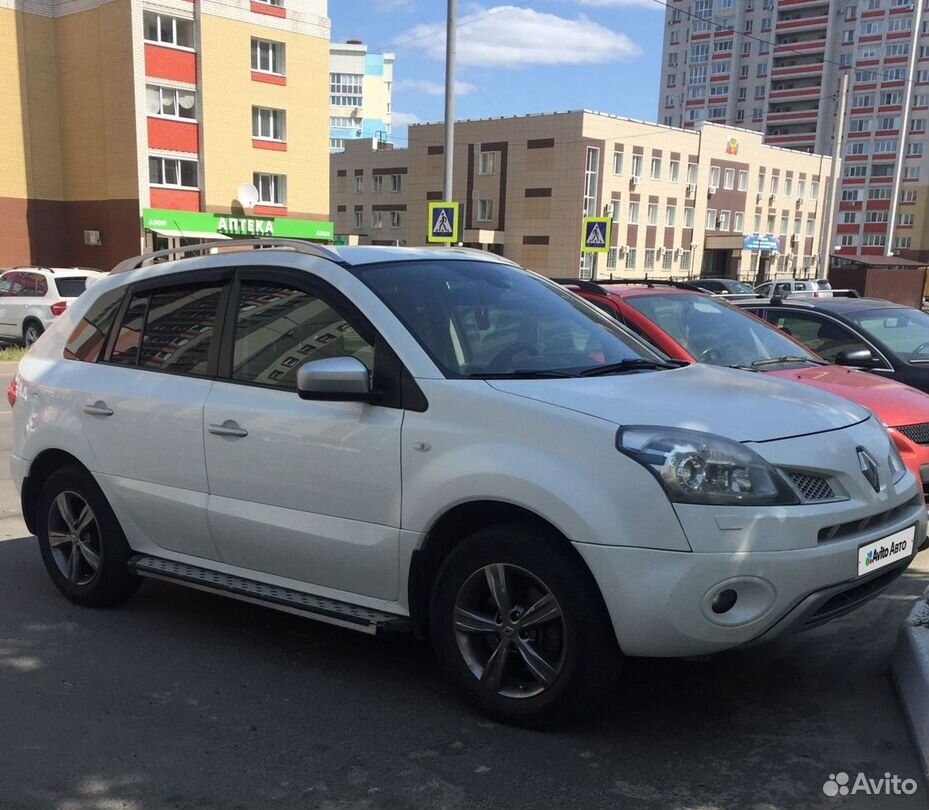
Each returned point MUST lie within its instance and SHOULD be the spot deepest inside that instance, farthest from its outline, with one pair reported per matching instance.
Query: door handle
(98, 408)
(229, 428)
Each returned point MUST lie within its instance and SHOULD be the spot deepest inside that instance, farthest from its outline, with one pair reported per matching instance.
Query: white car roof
(57, 272)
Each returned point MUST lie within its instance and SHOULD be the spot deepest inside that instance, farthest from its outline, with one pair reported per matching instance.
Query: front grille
(812, 487)
(842, 530)
(916, 433)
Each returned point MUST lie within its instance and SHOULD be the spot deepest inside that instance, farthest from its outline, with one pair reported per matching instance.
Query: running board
(331, 611)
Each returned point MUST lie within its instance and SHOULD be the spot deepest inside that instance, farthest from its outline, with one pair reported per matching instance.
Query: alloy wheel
(74, 537)
(31, 336)
(510, 631)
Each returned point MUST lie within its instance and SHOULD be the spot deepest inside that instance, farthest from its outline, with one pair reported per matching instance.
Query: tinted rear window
(71, 287)
(87, 340)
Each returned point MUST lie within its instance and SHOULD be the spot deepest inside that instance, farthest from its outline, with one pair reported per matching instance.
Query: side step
(331, 611)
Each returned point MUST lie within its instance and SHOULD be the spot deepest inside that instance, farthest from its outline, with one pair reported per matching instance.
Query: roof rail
(582, 284)
(298, 245)
(654, 282)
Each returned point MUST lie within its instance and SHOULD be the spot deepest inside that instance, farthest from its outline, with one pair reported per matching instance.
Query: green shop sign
(196, 225)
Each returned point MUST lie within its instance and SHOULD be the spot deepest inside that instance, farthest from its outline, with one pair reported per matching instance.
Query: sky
(528, 56)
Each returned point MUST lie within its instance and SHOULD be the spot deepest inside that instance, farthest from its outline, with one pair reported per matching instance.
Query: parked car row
(32, 297)
(438, 441)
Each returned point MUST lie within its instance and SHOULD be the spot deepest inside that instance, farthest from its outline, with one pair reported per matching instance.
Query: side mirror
(341, 379)
(862, 358)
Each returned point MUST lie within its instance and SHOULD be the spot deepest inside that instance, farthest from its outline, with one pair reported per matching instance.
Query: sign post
(444, 222)
(596, 239)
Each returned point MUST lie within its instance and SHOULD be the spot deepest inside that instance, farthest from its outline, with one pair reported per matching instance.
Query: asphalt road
(184, 700)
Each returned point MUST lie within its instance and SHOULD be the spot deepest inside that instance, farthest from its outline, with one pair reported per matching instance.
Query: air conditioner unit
(634, 181)
(772, 198)
(621, 250)
(93, 238)
(794, 239)
(711, 191)
(691, 189)
(759, 197)
(799, 201)
(677, 253)
(661, 252)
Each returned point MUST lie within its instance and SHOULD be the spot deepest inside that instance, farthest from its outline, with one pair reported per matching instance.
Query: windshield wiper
(637, 364)
(520, 374)
(787, 358)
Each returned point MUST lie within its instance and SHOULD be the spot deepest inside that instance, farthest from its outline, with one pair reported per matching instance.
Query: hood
(893, 402)
(740, 405)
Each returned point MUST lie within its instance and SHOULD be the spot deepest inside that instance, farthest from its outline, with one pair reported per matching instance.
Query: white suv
(32, 297)
(439, 441)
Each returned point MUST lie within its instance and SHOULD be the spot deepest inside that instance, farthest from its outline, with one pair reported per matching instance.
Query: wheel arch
(42, 466)
(451, 528)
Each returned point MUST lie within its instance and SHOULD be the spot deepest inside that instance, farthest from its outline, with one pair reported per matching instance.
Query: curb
(911, 675)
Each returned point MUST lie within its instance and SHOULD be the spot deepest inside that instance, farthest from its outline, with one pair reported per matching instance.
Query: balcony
(793, 117)
(796, 93)
(796, 71)
(803, 24)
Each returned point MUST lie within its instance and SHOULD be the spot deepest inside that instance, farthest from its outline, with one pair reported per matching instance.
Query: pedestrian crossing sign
(596, 234)
(444, 222)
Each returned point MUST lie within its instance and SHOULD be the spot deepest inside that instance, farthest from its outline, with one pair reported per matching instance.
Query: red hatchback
(692, 326)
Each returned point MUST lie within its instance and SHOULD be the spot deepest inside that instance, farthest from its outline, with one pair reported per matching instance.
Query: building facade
(683, 203)
(776, 66)
(360, 91)
(132, 124)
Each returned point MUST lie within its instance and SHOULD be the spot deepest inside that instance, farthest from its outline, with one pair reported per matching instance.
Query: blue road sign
(444, 221)
(758, 243)
(596, 234)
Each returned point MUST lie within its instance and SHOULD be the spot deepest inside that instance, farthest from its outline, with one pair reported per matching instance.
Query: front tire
(520, 628)
(83, 547)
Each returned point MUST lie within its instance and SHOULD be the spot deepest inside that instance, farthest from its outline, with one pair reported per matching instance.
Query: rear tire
(32, 331)
(83, 547)
(554, 657)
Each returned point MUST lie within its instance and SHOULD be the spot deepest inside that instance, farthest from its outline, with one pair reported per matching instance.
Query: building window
(739, 222)
(656, 168)
(729, 179)
(789, 185)
(649, 259)
(743, 181)
(652, 214)
(666, 259)
(173, 173)
(359, 219)
(617, 163)
(615, 207)
(611, 256)
(336, 144)
(631, 258)
(674, 171)
(395, 220)
(377, 220)
(488, 163)
(814, 190)
(345, 90)
(268, 124)
(171, 102)
(810, 226)
(637, 166)
(633, 213)
(711, 219)
(725, 219)
(359, 183)
(685, 260)
(907, 220)
(689, 216)
(165, 30)
(396, 182)
(377, 183)
(485, 210)
(268, 57)
(692, 174)
(670, 215)
(272, 188)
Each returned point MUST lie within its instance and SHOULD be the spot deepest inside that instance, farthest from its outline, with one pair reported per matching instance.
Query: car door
(142, 409)
(307, 490)
(7, 295)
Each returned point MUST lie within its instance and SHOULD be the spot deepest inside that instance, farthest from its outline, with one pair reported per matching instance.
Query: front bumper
(660, 602)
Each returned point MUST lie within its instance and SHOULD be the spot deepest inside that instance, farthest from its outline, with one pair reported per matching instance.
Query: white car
(439, 441)
(32, 297)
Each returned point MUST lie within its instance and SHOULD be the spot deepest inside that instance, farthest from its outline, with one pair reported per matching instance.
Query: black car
(867, 333)
(732, 289)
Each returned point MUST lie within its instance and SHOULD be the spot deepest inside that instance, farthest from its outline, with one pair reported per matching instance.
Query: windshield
(715, 332)
(738, 287)
(904, 331)
(479, 318)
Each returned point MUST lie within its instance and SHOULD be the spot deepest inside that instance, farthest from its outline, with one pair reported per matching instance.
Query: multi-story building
(777, 66)
(682, 202)
(132, 124)
(360, 89)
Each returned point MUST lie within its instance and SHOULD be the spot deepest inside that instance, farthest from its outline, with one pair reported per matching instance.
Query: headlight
(695, 467)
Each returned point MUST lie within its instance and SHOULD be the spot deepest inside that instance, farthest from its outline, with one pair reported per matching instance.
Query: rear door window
(825, 337)
(169, 330)
(89, 337)
(71, 287)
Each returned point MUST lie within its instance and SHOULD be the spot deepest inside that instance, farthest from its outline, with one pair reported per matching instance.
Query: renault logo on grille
(869, 469)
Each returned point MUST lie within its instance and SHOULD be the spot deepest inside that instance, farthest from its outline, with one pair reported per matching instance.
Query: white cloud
(508, 36)
(402, 119)
(387, 6)
(650, 4)
(434, 88)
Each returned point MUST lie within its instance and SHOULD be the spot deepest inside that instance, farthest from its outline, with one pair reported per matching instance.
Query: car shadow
(181, 699)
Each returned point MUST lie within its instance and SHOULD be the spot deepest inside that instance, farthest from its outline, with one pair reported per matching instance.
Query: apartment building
(360, 94)
(132, 124)
(776, 66)
(713, 201)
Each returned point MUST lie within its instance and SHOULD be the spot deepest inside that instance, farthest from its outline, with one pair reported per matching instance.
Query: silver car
(795, 287)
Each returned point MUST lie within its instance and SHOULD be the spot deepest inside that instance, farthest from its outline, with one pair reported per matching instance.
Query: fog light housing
(724, 601)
